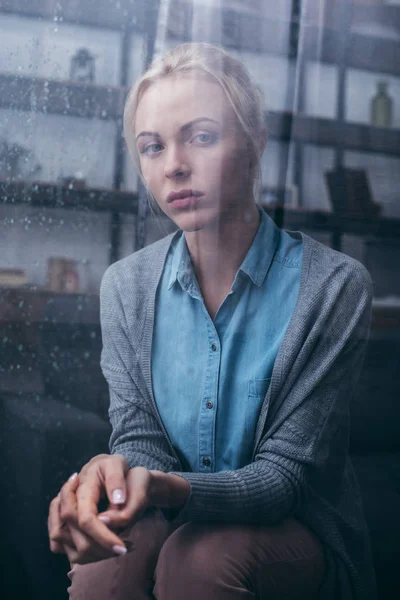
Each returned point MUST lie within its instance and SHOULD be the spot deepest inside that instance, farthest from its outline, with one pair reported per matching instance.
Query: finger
(68, 501)
(114, 471)
(87, 497)
(137, 483)
(58, 534)
(86, 549)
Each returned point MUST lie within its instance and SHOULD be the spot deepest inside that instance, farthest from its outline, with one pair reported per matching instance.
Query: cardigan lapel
(282, 377)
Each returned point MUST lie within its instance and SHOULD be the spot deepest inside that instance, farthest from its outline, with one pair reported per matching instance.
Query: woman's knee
(196, 556)
(217, 558)
(117, 577)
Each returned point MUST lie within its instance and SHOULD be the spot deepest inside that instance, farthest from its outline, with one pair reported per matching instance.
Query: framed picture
(350, 192)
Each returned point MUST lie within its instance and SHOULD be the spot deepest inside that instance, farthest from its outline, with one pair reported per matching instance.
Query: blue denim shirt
(210, 377)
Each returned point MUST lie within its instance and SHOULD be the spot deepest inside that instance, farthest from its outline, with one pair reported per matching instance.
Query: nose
(176, 164)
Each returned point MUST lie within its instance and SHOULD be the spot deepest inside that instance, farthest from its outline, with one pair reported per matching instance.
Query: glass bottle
(381, 106)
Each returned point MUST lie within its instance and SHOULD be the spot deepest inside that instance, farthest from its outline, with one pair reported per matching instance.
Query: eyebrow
(183, 128)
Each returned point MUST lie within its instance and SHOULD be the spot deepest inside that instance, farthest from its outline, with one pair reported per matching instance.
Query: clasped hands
(75, 526)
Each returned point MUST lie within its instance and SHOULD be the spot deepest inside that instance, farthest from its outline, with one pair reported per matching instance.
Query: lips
(187, 193)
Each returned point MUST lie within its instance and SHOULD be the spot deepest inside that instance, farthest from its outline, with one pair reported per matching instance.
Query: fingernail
(104, 518)
(72, 476)
(119, 549)
(118, 497)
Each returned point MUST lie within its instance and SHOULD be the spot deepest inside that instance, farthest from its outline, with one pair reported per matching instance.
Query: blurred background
(71, 204)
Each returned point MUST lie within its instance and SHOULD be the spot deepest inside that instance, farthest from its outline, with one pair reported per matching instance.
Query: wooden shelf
(384, 14)
(36, 306)
(298, 219)
(320, 131)
(121, 15)
(92, 199)
(32, 305)
(105, 102)
(40, 194)
(67, 98)
(385, 319)
(365, 52)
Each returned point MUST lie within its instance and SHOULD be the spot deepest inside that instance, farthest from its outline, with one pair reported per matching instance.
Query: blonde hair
(219, 65)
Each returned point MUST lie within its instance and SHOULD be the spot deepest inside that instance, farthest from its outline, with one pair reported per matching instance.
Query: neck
(217, 252)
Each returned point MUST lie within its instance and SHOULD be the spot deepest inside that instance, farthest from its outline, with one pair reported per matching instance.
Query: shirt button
(209, 404)
(213, 347)
(206, 462)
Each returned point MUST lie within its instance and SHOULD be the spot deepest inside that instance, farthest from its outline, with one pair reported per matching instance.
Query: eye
(151, 149)
(205, 137)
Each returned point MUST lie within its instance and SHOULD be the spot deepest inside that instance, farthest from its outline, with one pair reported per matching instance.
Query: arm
(306, 440)
(136, 432)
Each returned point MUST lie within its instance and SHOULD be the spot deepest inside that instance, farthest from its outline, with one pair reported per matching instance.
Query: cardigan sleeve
(309, 445)
(136, 433)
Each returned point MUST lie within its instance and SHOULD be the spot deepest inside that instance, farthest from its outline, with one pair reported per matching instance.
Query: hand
(66, 539)
(73, 513)
(130, 492)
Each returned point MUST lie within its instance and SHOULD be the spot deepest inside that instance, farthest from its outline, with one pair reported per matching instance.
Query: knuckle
(66, 514)
(56, 548)
(98, 458)
(85, 520)
(123, 519)
(83, 548)
(121, 460)
(55, 536)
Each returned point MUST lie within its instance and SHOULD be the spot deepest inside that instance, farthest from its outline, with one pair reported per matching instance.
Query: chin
(193, 222)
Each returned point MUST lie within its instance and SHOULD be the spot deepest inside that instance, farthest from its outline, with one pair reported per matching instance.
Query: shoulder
(140, 268)
(333, 269)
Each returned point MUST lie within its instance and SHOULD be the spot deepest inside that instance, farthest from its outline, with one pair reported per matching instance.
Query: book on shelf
(13, 278)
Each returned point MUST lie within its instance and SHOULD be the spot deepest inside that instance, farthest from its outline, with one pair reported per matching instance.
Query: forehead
(179, 99)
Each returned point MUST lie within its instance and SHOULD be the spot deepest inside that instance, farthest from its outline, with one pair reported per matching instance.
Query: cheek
(234, 166)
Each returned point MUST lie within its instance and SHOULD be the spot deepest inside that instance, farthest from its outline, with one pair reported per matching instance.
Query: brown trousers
(194, 561)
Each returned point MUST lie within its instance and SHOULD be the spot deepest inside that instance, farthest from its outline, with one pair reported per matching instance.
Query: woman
(231, 349)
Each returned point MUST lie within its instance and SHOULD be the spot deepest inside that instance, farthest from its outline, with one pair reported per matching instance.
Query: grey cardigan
(300, 464)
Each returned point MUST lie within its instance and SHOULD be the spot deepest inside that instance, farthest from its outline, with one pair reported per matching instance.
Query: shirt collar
(261, 252)
(255, 264)
(181, 265)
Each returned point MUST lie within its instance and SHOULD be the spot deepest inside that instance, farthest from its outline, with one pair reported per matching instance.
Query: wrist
(168, 491)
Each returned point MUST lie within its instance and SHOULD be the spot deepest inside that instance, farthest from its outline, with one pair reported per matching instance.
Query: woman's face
(190, 144)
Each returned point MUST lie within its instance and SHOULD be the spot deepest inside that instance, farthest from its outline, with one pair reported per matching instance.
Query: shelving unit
(91, 101)
(28, 307)
(240, 30)
(321, 42)
(105, 102)
(48, 195)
